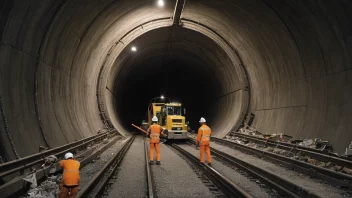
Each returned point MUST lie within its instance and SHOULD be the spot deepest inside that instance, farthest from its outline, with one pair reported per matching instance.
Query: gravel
(313, 185)
(175, 178)
(242, 181)
(131, 175)
(88, 171)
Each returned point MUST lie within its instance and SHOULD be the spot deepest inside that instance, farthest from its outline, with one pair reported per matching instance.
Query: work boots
(151, 162)
(158, 163)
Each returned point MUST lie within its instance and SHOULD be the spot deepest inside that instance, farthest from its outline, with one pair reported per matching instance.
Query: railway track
(227, 187)
(329, 176)
(11, 173)
(98, 186)
(151, 190)
(313, 153)
(284, 187)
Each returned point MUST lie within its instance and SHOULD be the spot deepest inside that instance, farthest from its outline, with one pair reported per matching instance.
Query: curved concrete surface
(67, 70)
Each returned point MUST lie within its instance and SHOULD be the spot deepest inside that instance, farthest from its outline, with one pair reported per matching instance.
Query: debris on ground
(347, 171)
(32, 179)
(316, 143)
(50, 160)
(348, 151)
(277, 151)
(306, 142)
(313, 161)
(50, 187)
(47, 189)
(278, 137)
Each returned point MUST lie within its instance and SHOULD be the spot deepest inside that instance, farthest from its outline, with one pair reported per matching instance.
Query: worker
(203, 140)
(155, 130)
(70, 177)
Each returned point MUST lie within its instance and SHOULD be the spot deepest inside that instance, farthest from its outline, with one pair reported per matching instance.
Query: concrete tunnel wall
(297, 55)
(157, 52)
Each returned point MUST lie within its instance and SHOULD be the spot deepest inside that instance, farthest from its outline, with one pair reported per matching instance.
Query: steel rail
(27, 162)
(16, 187)
(284, 187)
(149, 173)
(313, 153)
(332, 177)
(96, 186)
(224, 184)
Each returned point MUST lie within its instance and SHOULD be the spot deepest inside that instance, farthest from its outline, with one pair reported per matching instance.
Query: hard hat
(155, 119)
(202, 120)
(68, 155)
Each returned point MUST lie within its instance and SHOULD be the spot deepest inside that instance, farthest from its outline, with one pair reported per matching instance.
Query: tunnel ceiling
(67, 64)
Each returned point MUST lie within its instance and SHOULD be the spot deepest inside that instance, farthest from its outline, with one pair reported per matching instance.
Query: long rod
(139, 129)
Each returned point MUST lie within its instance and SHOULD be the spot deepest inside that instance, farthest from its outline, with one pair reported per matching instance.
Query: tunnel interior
(67, 68)
(179, 64)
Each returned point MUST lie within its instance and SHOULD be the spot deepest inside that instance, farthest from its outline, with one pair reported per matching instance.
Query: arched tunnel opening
(182, 65)
(68, 71)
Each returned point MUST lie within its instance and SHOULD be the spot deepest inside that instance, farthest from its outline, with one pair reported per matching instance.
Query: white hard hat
(202, 120)
(68, 155)
(155, 119)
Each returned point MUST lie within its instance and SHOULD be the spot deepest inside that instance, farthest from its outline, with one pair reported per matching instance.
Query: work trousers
(205, 148)
(151, 151)
(64, 191)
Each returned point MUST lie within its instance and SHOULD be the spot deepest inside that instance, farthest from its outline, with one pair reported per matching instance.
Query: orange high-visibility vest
(204, 134)
(155, 130)
(71, 172)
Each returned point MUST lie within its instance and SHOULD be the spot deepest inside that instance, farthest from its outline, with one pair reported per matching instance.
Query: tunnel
(68, 69)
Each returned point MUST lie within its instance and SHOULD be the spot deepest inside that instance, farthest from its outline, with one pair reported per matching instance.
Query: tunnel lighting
(162, 97)
(133, 49)
(161, 3)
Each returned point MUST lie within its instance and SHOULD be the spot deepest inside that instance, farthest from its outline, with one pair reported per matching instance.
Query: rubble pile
(317, 143)
(250, 131)
(50, 187)
(47, 189)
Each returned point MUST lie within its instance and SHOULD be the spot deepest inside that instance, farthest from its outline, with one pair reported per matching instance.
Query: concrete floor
(175, 178)
(131, 175)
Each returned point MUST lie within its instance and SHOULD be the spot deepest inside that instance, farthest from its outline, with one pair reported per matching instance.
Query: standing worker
(203, 140)
(155, 130)
(70, 177)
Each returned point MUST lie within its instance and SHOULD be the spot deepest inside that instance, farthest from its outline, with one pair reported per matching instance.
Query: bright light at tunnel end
(134, 49)
(161, 3)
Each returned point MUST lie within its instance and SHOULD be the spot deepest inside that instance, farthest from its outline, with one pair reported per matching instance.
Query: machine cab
(169, 110)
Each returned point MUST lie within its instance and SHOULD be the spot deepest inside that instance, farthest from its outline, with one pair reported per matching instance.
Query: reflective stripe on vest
(70, 171)
(206, 135)
(156, 135)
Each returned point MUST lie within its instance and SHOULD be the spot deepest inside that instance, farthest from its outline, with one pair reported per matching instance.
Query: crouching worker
(70, 177)
(155, 130)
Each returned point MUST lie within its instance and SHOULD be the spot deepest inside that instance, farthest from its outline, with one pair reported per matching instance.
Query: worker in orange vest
(203, 140)
(155, 130)
(70, 177)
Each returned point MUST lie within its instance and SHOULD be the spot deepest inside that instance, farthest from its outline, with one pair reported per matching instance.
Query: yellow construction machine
(171, 117)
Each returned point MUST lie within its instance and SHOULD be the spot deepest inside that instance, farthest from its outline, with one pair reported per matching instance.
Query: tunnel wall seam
(240, 68)
(105, 69)
(292, 37)
(40, 59)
